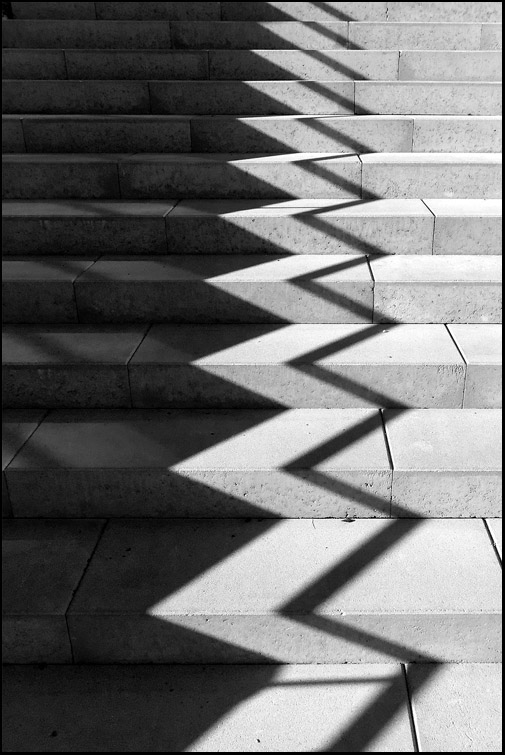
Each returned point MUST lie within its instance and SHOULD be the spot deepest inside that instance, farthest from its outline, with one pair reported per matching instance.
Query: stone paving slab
(80, 227)
(228, 288)
(450, 65)
(415, 36)
(482, 349)
(305, 463)
(467, 226)
(334, 366)
(42, 564)
(446, 463)
(458, 708)
(250, 35)
(206, 709)
(448, 175)
(106, 133)
(62, 367)
(235, 591)
(301, 227)
(443, 289)
(428, 98)
(39, 33)
(457, 133)
(40, 290)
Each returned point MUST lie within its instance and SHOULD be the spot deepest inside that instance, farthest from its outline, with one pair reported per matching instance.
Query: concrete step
(252, 289)
(275, 176)
(229, 134)
(389, 226)
(237, 592)
(247, 706)
(315, 463)
(279, 11)
(236, 366)
(452, 176)
(250, 35)
(207, 11)
(427, 98)
(484, 357)
(240, 65)
(195, 97)
(251, 98)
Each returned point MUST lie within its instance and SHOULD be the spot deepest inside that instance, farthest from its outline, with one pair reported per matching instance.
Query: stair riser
(247, 35)
(251, 98)
(34, 302)
(240, 386)
(207, 11)
(263, 235)
(237, 65)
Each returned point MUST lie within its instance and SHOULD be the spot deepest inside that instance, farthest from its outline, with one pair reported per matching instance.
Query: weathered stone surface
(86, 34)
(60, 177)
(438, 12)
(33, 64)
(415, 36)
(207, 11)
(447, 463)
(12, 134)
(423, 98)
(457, 134)
(467, 226)
(330, 12)
(492, 37)
(248, 35)
(16, 429)
(137, 64)
(100, 97)
(454, 65)
(53, 10)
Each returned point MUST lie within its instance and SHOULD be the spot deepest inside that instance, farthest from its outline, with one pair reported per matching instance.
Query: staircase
(252, 376)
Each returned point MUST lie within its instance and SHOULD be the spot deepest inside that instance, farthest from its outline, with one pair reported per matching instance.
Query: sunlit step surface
(248, 366)
(232, 591)
(253, 289)
(250, 707)
(148, 133)
(289, 464)
(392, 226)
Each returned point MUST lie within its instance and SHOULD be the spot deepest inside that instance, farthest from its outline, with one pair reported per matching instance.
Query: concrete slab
(17, 427)
(153, 593)
(60, 176)
(330, 12)
(458, 708)
(482, 349)
(298, 366)
(53, 10)
(12, 134)
(40, 290)
(446, 463)
(84, 227)
(457, 134)
(415, 36)
(444, 12)
(427, 98)
(444, 289)
(42, 564)
(249, 35)
(207, 11)
(492, 37)
(450, 65)
(467, 226)
(107, 133)
(207, 709)
(58, 366)
(231, 176)
(33, 64)
(302, 134)
(340, 65)
(247, 289)
(251, 98)
(137, 64)
(300, 463)
(301, 227)
(496, 529)
(448, 175)
(100, 97)
(86, 34)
